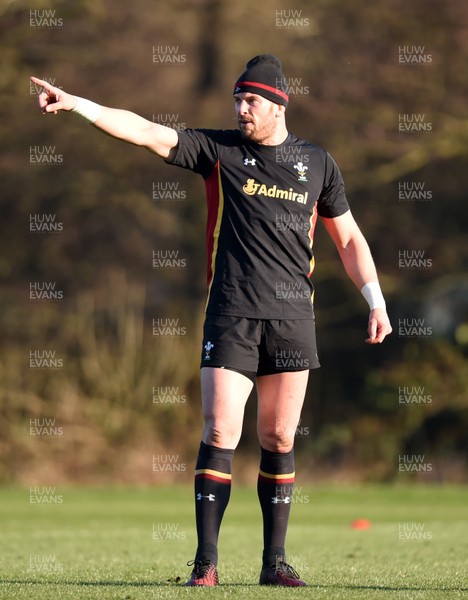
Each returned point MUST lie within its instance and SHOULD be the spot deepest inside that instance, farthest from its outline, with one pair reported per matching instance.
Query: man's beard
(257, 135)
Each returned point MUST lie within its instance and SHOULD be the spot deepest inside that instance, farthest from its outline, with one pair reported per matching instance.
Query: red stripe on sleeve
(212, 198)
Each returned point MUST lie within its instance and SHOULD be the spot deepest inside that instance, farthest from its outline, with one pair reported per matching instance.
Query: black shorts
(259, 346)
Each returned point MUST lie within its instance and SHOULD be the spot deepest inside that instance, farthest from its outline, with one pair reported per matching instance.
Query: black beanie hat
(263, 76)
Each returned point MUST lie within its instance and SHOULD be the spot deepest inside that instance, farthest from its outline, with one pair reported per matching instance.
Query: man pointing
(265, 189)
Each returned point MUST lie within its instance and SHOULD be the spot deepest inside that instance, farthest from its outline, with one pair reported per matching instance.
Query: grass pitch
(132, 543)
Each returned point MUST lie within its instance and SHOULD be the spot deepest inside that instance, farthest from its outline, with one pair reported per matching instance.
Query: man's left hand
(379, 326)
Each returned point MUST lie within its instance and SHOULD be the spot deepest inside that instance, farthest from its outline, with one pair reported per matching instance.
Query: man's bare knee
(276, 440)
(214, 434)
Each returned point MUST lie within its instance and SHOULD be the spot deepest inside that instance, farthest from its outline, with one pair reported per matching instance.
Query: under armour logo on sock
(276, 500)
(210, 497)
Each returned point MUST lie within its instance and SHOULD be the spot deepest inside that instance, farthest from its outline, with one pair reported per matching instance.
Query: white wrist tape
(88, 110)
(373, 294)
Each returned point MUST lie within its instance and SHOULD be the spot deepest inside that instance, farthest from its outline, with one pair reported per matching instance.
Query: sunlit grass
(133, 543)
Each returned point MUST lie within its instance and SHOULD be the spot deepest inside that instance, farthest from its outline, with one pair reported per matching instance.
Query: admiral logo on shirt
(260, 189)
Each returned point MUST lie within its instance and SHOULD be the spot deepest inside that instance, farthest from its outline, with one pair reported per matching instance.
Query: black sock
(212, 491)
(275, 488)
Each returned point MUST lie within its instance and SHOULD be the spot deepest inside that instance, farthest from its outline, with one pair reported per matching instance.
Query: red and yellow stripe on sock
(213, 475)
(277, 478)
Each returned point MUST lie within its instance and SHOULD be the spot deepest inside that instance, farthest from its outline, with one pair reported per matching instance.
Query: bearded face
(257, 117)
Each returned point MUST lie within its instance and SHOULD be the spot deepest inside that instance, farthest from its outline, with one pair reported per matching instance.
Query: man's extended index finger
(45, 84)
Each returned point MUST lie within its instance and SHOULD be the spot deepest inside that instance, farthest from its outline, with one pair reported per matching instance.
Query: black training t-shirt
(263, 203)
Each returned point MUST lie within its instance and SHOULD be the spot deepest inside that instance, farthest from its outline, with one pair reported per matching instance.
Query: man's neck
(277, 138)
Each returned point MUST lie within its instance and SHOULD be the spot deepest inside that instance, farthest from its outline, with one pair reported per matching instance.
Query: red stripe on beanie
(262, 86)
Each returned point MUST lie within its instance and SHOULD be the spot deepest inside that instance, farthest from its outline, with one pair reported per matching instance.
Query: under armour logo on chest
(250, 162)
